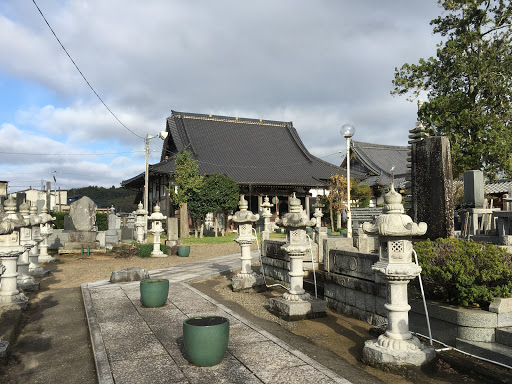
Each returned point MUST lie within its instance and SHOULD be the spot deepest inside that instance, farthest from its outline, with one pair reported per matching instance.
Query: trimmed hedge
(464, 272)
(146, 249)
(101, 220)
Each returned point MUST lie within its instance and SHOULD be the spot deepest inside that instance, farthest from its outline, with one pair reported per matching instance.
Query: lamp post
(347, 131)
(163, 136)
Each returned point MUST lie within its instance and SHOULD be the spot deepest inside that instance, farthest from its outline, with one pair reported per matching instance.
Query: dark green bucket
(183, 250)
(153, 292)
(205, 339)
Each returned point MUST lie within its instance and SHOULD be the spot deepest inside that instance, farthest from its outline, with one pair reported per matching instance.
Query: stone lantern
(318, 213)
(397, 346)
(10, 250)
(25, 281)
(246, 279)
(266, 214)
(46, 230)
(156, 229)
(140, 222)
(33, 256)
(296, 303)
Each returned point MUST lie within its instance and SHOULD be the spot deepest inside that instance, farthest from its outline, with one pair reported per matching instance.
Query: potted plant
(153, 292)
(205, 339)
(183, 250)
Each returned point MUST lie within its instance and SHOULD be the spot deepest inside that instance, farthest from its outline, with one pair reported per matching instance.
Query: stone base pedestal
(158, 254)
(397, 352)
(39, 272)
(46, 259)
(172, 246)
(298, 310)
(28, 284)
(246, 282)
(15, 301)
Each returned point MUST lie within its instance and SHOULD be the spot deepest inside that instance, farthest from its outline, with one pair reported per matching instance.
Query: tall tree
(186, 180)
(469, 84)
(337, 197)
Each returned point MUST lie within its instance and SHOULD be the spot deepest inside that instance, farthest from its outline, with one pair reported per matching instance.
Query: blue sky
(319, 64)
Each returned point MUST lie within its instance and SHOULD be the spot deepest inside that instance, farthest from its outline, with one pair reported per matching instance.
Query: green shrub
(464, 272)
(146, 249)
(102, 221)
(58, 223)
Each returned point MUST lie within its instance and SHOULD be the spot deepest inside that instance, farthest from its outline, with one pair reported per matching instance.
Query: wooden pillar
(260, 201)
(306, 203)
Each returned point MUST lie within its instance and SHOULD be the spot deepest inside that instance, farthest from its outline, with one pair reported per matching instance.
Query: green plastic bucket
(153, 292)
(205, 339)
(183, 250)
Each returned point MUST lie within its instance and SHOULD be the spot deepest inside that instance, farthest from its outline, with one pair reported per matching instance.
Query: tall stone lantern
(25, 281)
(266, 214)
(296, 303)
(33, 256)
(157, 229)
(46, 230)
(246, 279)
(10, 250)
(140, 222)
(397, 346)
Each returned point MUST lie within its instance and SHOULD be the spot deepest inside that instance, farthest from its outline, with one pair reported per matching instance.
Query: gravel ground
(71, 270)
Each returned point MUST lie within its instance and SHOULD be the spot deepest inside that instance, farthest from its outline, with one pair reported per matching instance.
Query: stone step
(504, 336)
(492, 351)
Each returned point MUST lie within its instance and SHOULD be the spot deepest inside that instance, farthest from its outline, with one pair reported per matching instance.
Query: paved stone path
(134, 344)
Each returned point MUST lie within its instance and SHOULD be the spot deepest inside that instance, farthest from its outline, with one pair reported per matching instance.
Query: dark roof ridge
(383, 146)
(230, 119)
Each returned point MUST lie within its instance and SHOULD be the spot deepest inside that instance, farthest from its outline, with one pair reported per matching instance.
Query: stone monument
(25, 281)
(157, 229)
(296, 303)
(111, 236)
(83, 217)
(46, 230)
(397, 346)
(267, 225)
(246, 279)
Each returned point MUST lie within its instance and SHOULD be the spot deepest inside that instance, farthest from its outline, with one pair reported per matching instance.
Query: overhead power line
(78, 69)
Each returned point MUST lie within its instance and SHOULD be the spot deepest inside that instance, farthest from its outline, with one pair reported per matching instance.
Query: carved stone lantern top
(394, 222)
(16, 219)
(266, 203)
(243, 215)
(140, 209)
(296, 218)
(157, 215)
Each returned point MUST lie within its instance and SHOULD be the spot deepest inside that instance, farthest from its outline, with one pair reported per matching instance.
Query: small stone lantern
(157, 229)
(318, 213)
(296, 303)
(46, 230)
(266, 214)
(246, 279)
(33, 256)
(140, 222)
(397, 346)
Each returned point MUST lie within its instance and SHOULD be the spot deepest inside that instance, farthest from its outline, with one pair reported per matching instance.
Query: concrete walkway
(134, 344)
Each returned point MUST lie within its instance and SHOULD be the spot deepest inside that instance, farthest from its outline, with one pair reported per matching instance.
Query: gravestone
(172, 241)
(111, 236)
(432, 197)
(474, 189)
(82, 214)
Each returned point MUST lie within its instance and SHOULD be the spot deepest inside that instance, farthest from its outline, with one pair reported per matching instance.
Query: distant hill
(122, 199)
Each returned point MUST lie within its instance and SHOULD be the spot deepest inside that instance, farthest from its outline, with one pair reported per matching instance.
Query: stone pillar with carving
(140, 222)
(296, 303)
(157, 229)
(397, 346)
(246, 279)
(25, 281)
(10, 250)
(46, 230)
